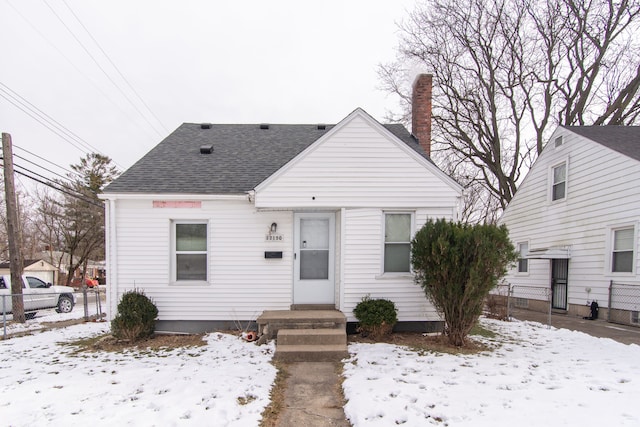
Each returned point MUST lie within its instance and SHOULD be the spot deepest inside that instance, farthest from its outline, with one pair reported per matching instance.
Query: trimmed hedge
(376, 317)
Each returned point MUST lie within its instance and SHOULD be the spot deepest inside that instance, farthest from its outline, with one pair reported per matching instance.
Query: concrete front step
(311, 353)
(312, 337)
(271, 321)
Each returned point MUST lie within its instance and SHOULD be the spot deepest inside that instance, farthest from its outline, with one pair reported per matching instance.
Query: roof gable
(243, 156)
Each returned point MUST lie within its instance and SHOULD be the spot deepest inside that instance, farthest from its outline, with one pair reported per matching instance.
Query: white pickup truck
(37, 295)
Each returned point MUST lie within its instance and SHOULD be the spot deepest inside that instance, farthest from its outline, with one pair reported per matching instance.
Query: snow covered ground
(225, 383)
(536, 377)
(533, 377)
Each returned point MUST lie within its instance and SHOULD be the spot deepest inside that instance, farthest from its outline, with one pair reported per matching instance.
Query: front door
(559, 276)
(314, 243)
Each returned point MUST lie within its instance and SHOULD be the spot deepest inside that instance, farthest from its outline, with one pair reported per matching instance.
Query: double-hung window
(190, 251)
(397, 242)
(523, 262)
(622, 254)
(559, 186)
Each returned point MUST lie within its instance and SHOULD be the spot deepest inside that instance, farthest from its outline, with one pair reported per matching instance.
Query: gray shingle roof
(623, 139)
(243, 156)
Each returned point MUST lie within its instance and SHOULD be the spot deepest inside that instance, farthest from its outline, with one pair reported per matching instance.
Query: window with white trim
(397, 242)
(622, 252)
(523, 263)
(189, 250)
(559, 186)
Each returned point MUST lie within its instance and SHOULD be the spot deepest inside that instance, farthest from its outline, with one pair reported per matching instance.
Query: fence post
(85, 303)
(509, 302)
(4, 318)
(549, 301)
(609, 302)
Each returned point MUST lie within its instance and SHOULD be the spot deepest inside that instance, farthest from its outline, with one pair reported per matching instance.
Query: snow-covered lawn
(536, 377)
(225, 383)
(533, 377)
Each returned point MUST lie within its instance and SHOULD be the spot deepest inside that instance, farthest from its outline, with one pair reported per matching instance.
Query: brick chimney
(421, 111)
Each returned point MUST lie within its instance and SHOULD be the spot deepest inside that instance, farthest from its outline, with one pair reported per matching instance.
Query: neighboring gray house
(575, 221)
(220, 222)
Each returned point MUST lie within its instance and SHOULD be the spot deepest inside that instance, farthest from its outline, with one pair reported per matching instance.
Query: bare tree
(506, 72)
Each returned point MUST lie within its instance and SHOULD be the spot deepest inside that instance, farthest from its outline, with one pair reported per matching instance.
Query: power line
(72, 63)
(50, 183)
(42, 167)
(51, 124)
(102, 69)
(47, 160)
(24, 102)
(116, 67)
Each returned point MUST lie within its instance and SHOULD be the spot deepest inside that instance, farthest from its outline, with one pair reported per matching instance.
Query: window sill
(189, 283)
(391, 276)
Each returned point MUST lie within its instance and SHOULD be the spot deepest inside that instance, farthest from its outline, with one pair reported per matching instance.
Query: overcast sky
(188, 61)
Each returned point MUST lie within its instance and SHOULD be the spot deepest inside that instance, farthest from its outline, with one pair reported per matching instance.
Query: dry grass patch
(424, 343)
(154, 343)
(271, 413)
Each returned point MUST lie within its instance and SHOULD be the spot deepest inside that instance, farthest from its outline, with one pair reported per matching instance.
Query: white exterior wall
(358, 165)
(363, 269)
(358, 170)
(242, 283)
(602, 192)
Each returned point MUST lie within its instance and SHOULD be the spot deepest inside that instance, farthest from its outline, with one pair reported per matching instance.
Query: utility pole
(13, 232)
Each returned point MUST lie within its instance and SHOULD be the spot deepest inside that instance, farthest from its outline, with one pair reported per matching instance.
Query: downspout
(111, 261)
(343, 229)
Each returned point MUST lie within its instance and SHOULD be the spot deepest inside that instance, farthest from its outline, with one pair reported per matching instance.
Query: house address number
(274, 237)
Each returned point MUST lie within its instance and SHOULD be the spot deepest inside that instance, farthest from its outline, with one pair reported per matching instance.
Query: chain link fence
(45, 309)
(503, 300)
(624, 304)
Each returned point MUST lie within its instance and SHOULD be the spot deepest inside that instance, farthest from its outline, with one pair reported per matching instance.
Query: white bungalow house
(575, 221)
(220, 222)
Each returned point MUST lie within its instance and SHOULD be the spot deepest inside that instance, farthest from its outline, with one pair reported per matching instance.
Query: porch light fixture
(274, 227)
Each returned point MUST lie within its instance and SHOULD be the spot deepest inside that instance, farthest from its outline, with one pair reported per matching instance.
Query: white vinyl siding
(358, 167)
(241, 282)
(604, 194)
(362, 256)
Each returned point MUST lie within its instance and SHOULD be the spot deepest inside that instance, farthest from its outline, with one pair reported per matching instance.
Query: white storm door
(314, 258)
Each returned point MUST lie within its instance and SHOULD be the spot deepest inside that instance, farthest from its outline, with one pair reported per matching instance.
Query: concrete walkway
(597, 328)
(313, 396)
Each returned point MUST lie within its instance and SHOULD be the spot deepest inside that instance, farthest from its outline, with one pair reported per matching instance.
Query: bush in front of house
(376, 317)
(136, 317)
(457, 265)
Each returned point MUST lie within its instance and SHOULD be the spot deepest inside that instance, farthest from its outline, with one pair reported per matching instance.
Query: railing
(88, 307)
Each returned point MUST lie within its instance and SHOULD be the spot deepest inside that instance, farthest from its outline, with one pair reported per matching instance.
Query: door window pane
(314, 233)
(314, 264)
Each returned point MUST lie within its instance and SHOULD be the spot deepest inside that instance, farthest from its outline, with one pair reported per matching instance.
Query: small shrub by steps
(376, 317)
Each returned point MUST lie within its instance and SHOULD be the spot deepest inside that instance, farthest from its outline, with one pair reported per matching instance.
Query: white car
(37, 295)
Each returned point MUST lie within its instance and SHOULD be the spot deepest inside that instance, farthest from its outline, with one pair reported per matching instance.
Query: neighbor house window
(622, 256)
(523, 263)
(559, 189)
(397, 242)
(190, 251)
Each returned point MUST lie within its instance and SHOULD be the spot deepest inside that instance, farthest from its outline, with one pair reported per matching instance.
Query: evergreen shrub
(136, 317)
(376, 317)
